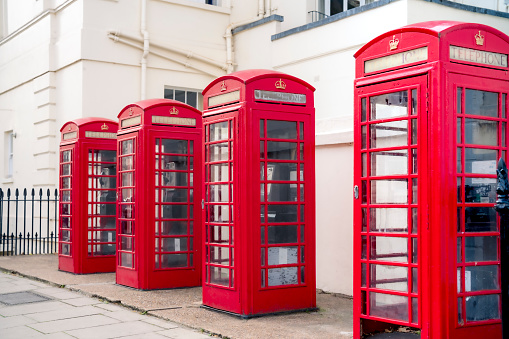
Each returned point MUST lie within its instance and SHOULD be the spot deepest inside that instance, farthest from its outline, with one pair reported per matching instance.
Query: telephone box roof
(85, 121)
(250, 75)
(438, 29)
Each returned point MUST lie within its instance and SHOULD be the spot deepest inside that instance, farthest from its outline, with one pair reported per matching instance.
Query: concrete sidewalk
(177, 306)
(32, 309)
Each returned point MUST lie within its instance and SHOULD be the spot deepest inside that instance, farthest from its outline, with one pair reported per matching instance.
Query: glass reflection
(389, 105)
(481, 103)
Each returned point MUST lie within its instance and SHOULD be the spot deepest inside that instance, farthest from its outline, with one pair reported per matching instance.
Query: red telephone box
(430, 123)
(88, 159)
(259, 191)
(159, 190)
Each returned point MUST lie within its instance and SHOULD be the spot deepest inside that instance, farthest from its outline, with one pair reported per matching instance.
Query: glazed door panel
(390, 155)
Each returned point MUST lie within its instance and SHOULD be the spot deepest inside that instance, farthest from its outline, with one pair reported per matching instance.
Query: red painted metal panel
(159, 195)
(87, 205)
(457, 72)
(259, 191)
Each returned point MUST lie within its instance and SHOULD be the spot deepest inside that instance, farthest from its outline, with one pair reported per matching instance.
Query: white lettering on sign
(157, 119)
(100, 135)
(131, 121)
(395, 60)
(293, 98)
(70, 135)
(477, 56)
(224, 98)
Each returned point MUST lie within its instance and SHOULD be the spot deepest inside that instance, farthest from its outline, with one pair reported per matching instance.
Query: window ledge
(7, 181)
(212, 8)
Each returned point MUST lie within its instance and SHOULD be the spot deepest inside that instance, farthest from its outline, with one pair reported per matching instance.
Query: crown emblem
(223, 86)
(104, 127)
(174, 110)
(130, 111)
(280, 84)
(479, 39)
(69, 128)
(393, 44)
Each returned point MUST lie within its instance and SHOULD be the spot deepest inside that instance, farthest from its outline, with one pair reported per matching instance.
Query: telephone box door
(221, 220)
(177, 199)
(481, 138)
(126, 257)
(391, 204)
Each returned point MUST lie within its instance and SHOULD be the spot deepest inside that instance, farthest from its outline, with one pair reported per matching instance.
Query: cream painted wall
(334, 218)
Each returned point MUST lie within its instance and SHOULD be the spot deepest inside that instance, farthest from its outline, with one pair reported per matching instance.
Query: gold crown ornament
(174, 110)
(479, 39)
(280, 84)
(393, 44)
(223, 86)
(104, 127)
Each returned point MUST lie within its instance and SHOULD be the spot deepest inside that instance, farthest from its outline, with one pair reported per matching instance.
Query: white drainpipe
(229, 36)
(268, 10)
(146, 45)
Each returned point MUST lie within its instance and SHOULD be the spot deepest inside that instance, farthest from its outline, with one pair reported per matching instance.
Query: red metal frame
(87, 199)
(159, 192)
(445, 212)
(246, 190)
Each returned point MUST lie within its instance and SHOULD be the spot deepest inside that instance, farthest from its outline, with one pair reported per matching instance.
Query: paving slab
(114, 330)
(182, 306)
(65, 325)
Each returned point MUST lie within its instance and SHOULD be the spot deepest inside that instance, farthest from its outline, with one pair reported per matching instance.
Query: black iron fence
(28, 222)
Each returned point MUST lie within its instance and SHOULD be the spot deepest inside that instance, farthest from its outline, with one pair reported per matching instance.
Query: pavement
(57, 304)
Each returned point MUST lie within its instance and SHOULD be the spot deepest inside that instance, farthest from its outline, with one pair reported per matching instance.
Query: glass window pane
(389, 249)
(388, 220)
(219, 255)
(481, 249)
(173, 227)
(483, 307)
(174, 244)
(282, 234)
(192, 99)
(127, 163)
(281, 192)
(363, 109)
(174, 146)
(219, 172)
(481, 132)
(480, 190)
(415, 310)
(281, 129)
(388, 306)
(220, 276)
(478, 278)
(393, 191)
(282, 213)
(388, 277)
(388, 134)
(168, 93)
(219, 213)
(219, 131)
(389, 163)
(282, 255)
(219, 234)
(281, 171)
(180, 95)
(174, 162)
(218, 152)
(219, 193)
(173, 260)
(480, 161)
(126, 146)
(389, 105)
(480, 219)
(126, 259)
(481, 103)
(282, 276)
(174, 211)
(363, 137)
(282, 150)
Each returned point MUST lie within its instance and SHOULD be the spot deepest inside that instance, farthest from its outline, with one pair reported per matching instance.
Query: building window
(9, 153)
(327, 8)
(191, 97)
(209, 2)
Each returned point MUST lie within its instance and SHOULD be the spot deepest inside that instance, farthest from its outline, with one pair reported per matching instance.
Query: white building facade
(66, 59)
